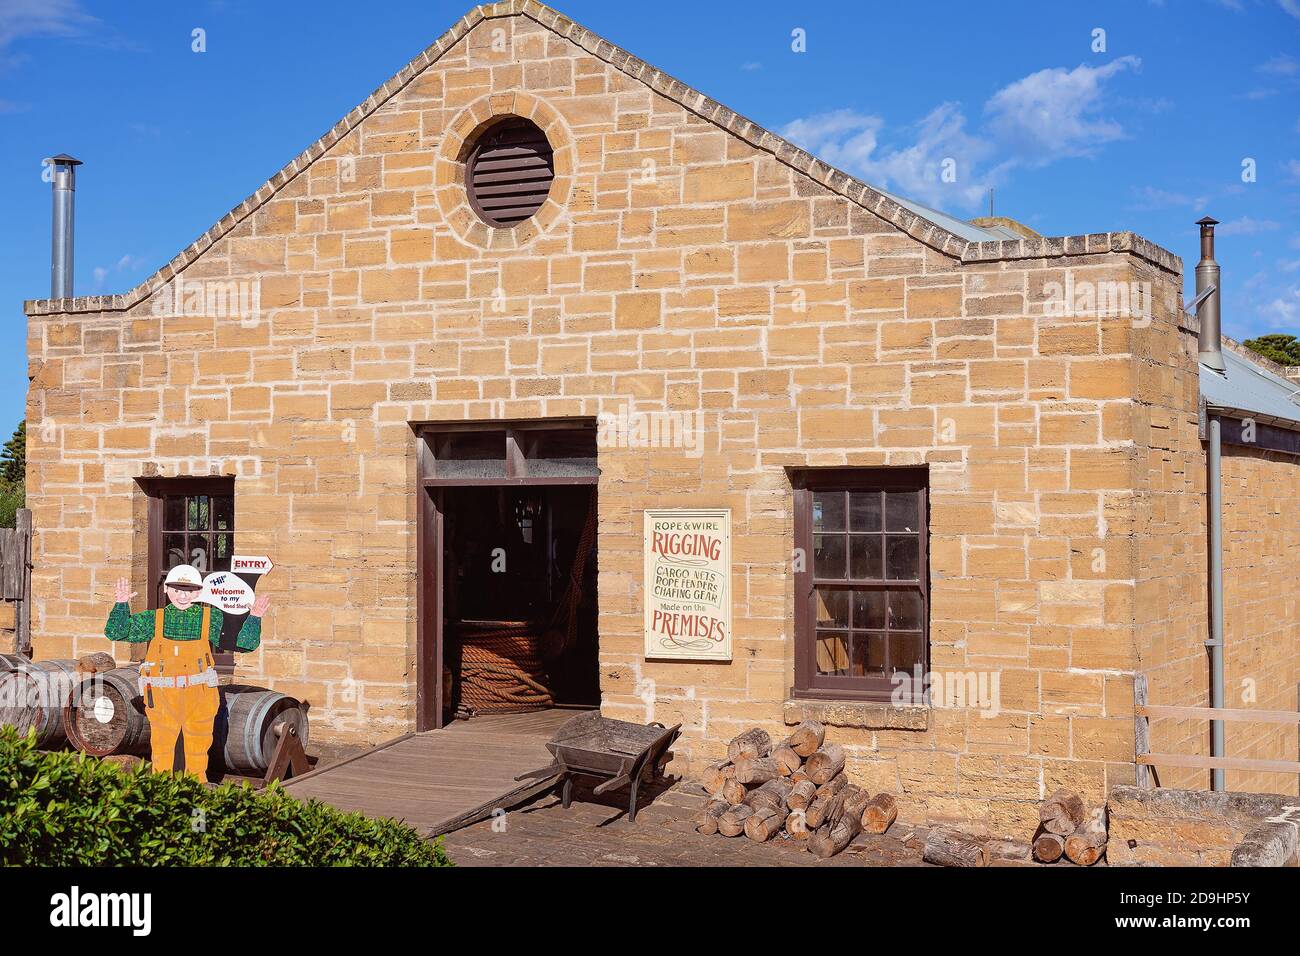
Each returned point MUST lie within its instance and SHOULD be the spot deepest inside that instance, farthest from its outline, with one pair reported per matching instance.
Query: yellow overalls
(179, 684)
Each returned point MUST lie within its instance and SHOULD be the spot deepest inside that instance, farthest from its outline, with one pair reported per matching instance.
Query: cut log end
(1062, 813)
(706, 821)
(807, 738)
(826, 764)
(879, 814)
(733, 791)
(716, 776)
(787, 760)
(732, 821)
(764, 824)
(754, 742)
(1048, 847)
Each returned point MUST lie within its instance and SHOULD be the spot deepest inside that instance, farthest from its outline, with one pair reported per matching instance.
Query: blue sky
(1148, 133)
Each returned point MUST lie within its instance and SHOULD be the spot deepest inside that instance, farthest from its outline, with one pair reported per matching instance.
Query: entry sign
(688, 584)
(250, 564)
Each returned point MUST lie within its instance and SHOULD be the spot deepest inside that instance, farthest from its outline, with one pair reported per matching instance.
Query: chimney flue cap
(63, 159)
(1207, 222)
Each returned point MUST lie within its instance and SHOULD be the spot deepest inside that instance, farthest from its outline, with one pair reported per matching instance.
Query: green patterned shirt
(178, 625)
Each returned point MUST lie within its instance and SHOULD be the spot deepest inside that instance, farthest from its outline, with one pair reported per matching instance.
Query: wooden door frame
(428, 594)
(429, 524)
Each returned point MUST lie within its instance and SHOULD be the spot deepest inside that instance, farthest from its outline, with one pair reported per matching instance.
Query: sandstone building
(531, 265)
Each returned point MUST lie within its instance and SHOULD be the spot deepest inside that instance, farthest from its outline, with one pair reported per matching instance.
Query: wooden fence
(16, 578)
(1147, 762)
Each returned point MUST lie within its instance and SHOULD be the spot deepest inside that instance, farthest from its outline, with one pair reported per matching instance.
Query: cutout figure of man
(178, 678)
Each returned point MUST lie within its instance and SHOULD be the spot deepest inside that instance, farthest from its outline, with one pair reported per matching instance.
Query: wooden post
(1141, 730)
(23, 617)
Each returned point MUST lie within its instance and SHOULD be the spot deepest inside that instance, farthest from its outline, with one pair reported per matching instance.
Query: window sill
(863, 714)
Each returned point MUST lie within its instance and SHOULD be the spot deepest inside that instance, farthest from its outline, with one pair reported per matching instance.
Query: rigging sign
(688, 585)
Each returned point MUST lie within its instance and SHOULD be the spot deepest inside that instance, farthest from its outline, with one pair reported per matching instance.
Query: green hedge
(66, 809)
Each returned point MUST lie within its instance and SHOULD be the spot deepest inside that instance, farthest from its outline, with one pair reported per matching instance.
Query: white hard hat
(185, 577)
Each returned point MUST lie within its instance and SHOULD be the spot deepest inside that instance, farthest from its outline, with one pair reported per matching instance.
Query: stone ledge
(865, 715)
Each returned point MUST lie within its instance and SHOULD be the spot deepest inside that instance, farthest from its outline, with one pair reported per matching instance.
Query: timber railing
(16, 583)
(1147, 762)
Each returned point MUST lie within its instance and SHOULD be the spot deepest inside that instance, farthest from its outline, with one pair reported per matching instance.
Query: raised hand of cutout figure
(122, 592)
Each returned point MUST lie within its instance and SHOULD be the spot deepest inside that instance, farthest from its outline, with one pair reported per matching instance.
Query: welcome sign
(688, 584)
(222, 589)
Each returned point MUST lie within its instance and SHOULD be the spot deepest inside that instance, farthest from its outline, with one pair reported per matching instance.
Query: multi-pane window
(861, 615)
(192, 521)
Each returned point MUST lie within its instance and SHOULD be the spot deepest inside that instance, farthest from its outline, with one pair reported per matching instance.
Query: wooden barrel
(105, 714)
(246, 725)
(32, 694)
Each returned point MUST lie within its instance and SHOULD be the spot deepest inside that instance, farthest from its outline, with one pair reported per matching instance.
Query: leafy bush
(12, 497)
(66, 809)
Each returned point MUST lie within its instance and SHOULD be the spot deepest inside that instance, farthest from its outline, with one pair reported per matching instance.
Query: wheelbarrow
(622, 753)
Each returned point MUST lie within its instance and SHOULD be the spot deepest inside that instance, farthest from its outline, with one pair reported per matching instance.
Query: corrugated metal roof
(958, 227)
(1248, 388)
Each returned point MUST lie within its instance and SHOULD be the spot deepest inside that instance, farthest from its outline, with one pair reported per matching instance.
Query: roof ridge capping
(868, 197)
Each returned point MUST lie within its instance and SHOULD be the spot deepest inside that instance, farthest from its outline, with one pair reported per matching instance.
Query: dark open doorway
(507, 569)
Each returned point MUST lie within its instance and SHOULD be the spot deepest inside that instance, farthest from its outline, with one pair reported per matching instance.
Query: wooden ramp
(441, 780)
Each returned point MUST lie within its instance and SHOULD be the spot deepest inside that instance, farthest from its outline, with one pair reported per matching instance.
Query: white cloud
(128, 263)
(1152, 197)
(851, 141)
(1292, 167)
(1034, 121)
(1291, 6)
(42, 18)
(1280, 65)
(1284, 310)
(1052, 113)
(1247, 226)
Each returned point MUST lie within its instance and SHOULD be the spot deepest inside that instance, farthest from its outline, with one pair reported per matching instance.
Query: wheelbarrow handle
(548, 771)
(614, 784)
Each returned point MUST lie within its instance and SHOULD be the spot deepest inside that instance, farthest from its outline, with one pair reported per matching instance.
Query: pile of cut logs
(795, 788)
(1067, 829)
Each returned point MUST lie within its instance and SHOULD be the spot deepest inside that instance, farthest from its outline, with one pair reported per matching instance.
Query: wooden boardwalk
(444, 779)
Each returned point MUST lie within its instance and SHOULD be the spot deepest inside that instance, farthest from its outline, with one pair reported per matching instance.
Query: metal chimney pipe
(1207, 278)
(65, 187)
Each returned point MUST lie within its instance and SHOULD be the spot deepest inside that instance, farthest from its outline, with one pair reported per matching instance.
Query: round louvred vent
(509, 172)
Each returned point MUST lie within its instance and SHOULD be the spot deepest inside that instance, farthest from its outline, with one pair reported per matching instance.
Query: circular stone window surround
(458, 142)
